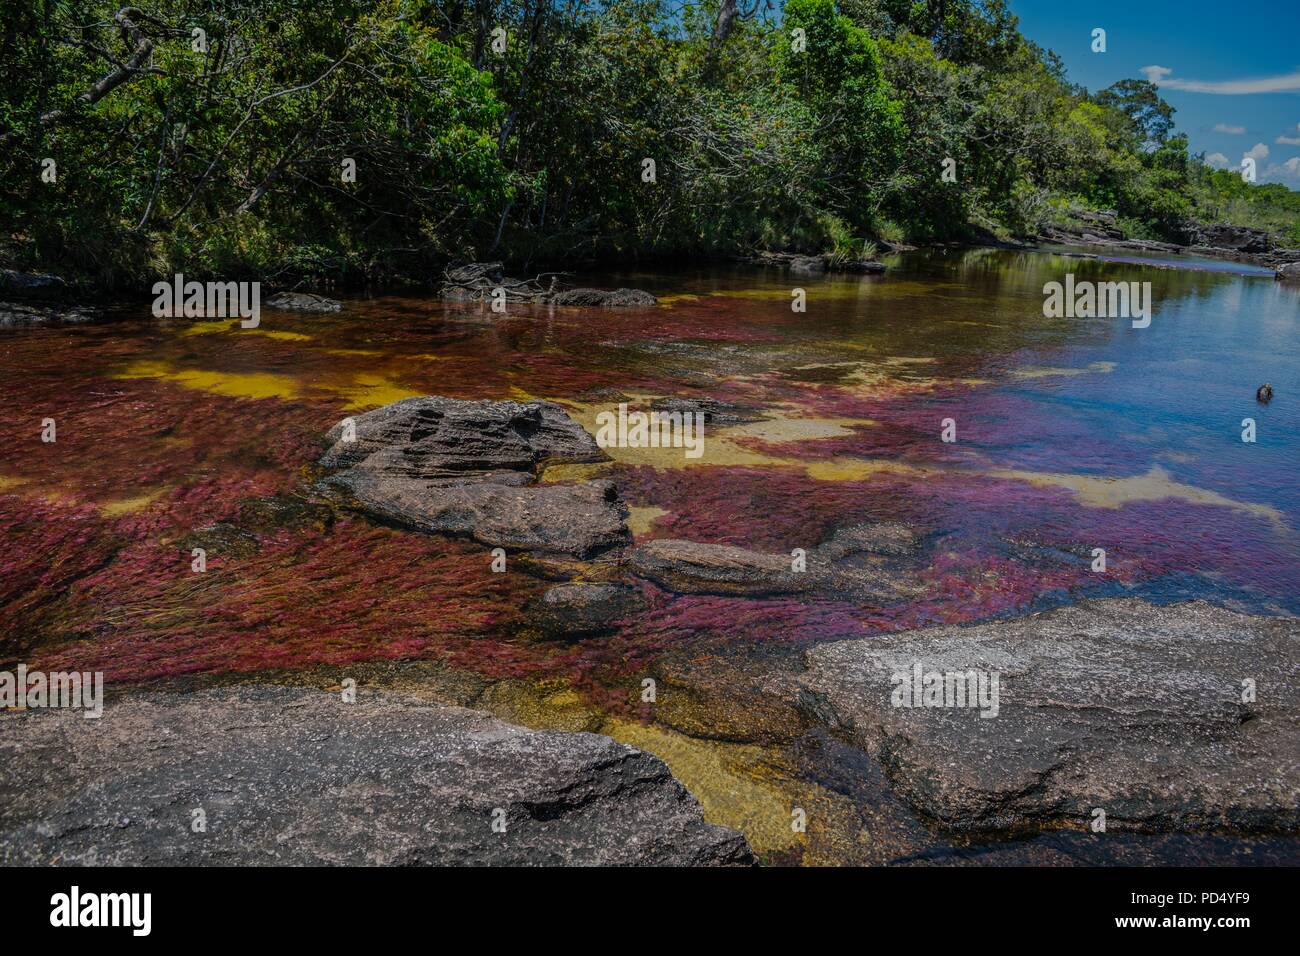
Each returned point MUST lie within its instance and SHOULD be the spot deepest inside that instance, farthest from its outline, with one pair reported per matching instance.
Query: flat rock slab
(867, 562)
(297, 777)
(1122, 705)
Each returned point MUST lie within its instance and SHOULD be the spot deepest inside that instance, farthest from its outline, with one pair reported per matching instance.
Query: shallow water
(1072, 434)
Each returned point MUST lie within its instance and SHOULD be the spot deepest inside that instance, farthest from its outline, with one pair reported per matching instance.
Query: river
(1071, 434)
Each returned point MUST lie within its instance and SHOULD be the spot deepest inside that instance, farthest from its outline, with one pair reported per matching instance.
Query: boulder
(303, 302)
(433, 437)
(288, 776)
(470, 468)
(1289, 272)
(1236, 238)
(1179, 717)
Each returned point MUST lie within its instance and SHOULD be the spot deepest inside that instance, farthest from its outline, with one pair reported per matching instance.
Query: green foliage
(228, 160)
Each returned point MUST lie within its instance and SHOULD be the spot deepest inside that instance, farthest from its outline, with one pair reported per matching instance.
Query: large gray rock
(297, 777)
(470, 468)
(1122, 705)
(1236, 238)
(433, 437)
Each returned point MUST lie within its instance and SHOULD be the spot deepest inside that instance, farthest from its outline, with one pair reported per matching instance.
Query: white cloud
(1217, 160)
(1257, 152)
(1288, 141)
(1230, 130)
(1285, 83)
(1288, 170)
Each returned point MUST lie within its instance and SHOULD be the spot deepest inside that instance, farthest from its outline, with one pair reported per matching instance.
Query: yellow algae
(722, 778)
(232, 384)
(126, 506)
(640, 520)
(6, 483)
(367, 390)
(721, 447)
(209, 328)
(364, 353)
(859, 469)
(1099, 491)
(206, 328)
(285, 336)
(586, 472)
(777, 430)
(1049, 372)
(544, 705)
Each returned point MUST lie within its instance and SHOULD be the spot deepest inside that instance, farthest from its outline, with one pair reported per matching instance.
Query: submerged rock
(582, 609)
(715, 412)
(257, 518)
(1180, 717)
(287, 776)
(692, 567)
(303, 302)
(858, 561)
(470, 468)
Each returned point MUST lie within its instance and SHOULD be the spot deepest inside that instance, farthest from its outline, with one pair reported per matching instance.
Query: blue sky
(1231, 70)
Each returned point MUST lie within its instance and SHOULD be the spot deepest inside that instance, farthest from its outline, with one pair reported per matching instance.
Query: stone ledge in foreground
(1119, 704)
(292, 776)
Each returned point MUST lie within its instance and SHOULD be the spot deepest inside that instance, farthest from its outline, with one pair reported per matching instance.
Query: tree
(1150, 119)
